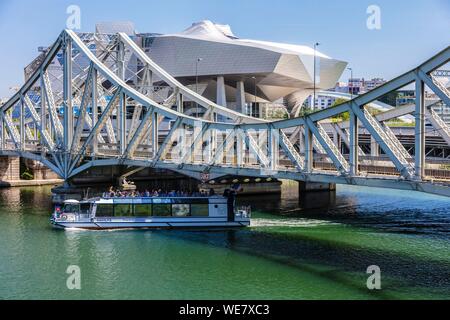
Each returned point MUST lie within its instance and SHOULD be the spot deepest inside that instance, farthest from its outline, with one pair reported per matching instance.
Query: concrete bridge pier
(9, 169)
(315, 186)
(12, 169)
(313, 195)
(40, 171)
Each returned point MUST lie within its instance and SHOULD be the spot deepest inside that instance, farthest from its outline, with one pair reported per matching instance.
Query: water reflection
(316, 247)
(15, 200)
(290, 200)
(11, 198)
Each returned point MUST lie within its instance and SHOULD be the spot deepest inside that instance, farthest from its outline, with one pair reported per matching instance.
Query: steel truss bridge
(115, 100)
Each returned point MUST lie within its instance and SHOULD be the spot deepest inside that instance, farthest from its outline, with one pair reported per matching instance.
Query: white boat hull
(101, 224)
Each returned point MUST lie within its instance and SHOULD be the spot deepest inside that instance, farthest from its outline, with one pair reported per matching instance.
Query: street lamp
(314, 96)
(254, 81)
(196, 82)
(196, 73)
(351, 80)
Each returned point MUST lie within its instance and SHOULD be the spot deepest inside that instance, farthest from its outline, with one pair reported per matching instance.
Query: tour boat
(151, 212)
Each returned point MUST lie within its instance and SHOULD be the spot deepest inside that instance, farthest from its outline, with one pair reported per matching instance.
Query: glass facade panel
(180, 210)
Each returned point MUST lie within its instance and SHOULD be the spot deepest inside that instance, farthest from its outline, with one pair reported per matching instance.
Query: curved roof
(207, 30)
(280, 69)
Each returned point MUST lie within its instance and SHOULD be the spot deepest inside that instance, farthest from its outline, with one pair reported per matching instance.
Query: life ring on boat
(63, 217)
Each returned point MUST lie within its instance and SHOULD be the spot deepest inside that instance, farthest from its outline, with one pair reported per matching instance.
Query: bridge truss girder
(100, 133)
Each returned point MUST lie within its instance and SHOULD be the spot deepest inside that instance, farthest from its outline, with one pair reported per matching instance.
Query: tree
(343, 116)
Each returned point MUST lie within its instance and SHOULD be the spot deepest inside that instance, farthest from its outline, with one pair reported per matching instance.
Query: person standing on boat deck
(57, 211)
(230, 194)
(236, 187)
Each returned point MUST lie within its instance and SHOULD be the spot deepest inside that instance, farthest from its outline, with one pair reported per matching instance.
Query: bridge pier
(40, 171)
(9, 168)
(12, 169)
(315, 186)
(315, 195)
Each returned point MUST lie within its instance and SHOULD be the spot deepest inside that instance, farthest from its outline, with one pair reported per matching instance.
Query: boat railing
(73, 217)
(243, 212)
(106, 197)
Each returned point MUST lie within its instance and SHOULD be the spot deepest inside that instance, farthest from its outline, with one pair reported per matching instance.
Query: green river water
(288, 253)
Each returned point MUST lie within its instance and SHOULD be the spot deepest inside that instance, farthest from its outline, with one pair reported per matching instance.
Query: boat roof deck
(156, 200)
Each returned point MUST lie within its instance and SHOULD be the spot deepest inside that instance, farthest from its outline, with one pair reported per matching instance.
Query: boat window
(162, 210)
(85, 208)
(143, 210)
(199, 210)
(71, 208)
(123, 210)
(180, 210)
(104, 210)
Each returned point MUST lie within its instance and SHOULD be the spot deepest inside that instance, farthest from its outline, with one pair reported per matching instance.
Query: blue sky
(411, 31)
